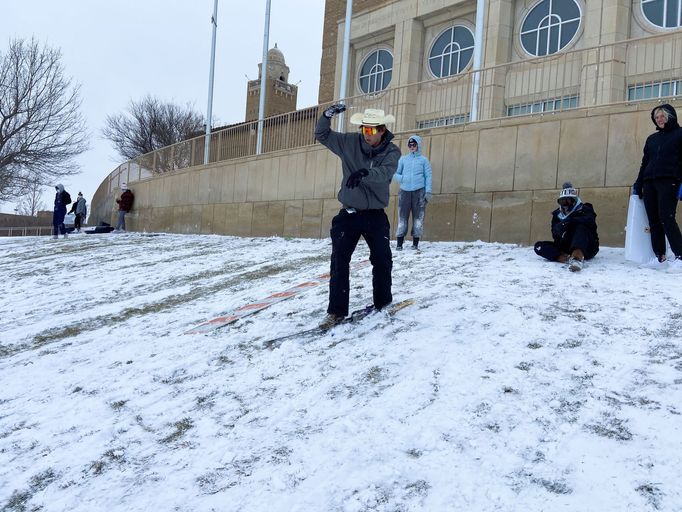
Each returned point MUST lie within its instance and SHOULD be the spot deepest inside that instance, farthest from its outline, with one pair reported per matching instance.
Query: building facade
(563, 93)
(537, 55)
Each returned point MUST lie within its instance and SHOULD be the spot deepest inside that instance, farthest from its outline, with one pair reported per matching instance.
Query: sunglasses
(369, 130)
(566, 201)
(412, 144)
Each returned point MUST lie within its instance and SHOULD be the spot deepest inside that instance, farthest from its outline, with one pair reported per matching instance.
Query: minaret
(280, 95)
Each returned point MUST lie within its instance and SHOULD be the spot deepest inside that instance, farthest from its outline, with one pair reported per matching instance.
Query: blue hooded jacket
(414, 170)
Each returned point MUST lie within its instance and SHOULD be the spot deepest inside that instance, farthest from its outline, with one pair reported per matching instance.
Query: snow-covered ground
(511, 385)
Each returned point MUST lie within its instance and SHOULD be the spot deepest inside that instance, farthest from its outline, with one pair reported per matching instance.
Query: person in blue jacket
(414, 176)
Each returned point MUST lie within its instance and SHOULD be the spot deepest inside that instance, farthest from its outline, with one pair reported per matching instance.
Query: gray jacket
(356, 154)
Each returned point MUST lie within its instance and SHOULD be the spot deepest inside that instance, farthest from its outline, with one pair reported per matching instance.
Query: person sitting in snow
(574, 230)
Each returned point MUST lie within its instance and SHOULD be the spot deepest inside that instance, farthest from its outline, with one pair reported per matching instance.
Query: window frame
(649, 23)
(360, 76)
(571, 42)
(429, 57)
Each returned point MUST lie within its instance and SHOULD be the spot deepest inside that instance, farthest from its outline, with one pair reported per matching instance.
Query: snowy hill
(511, 385)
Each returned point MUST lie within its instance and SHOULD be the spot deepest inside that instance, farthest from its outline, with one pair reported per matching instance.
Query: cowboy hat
(371, 117)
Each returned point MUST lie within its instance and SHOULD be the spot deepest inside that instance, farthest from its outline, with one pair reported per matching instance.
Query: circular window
(550, 26)
(376, 71)
(663, 13)
(451, 52)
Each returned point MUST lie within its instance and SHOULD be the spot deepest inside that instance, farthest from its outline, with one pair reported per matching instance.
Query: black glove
(637, 189)
(334, 109)
(355, 178)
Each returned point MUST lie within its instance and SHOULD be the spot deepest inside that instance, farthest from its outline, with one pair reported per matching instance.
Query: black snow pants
(346, 230)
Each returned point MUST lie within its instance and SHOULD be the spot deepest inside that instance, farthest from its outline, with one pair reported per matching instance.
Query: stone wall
(492, 181)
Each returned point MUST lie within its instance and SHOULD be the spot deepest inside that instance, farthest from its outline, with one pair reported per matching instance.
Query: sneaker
(654, 263)
(399, 248)
(330, 321)
(575, 264)
(675, 265)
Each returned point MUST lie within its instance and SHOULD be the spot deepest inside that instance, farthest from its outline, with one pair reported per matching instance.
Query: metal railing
(26, 231)
(622, 72)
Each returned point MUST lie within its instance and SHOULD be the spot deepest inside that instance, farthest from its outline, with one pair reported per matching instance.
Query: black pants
(77, 221)
(576, 236)
(346, 230)
(660, 202)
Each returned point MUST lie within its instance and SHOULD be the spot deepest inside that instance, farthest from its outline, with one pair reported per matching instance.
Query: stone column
(498, 34)
(407, 60)
(603, 80)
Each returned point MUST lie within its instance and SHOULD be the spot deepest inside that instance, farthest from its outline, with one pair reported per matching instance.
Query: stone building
(280, 95)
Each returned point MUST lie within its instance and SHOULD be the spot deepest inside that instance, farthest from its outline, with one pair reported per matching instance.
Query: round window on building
(663, 13)
(451, 52)
(550, 26)
(376, 71)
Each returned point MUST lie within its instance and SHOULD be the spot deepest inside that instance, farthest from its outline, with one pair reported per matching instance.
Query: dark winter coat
(662, 151)
(564, 230)
(61, 199)
(125, 203)
(381, 162)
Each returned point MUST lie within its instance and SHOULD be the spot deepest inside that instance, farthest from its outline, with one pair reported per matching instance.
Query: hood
(418, 140)
(60, 187)
(672, 117)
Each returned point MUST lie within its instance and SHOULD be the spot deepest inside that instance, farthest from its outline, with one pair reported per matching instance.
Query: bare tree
(31, 201)
(151, 124)
(41, 127)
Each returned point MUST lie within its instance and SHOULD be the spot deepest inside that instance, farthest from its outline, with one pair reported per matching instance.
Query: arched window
(550, 26)
(376, 71)
(663, 13)
(451, 52)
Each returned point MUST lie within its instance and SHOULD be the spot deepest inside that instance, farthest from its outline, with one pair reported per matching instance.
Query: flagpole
(263, 78)
(344, 62)
(209, 112)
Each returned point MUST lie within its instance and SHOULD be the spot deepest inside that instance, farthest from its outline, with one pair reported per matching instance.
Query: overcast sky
(127, 49)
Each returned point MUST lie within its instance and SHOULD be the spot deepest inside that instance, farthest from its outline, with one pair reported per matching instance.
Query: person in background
(574, 231)
(80, 209)
(414, 176)
(368, 161)
(61, 199)
(658, 184)
(125, 204)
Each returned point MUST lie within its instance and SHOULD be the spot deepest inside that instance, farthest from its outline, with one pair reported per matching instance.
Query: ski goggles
(369, 130)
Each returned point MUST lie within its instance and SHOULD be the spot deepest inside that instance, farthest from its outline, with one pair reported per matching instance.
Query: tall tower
(280, 95)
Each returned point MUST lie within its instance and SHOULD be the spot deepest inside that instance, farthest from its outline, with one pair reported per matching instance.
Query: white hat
(567, 191)
(372, 117)
(124, 186)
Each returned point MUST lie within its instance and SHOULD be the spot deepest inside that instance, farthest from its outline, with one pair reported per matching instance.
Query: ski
(354, 317)
(255, 307)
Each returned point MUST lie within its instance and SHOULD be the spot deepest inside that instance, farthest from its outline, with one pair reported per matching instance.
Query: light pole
(207, 142)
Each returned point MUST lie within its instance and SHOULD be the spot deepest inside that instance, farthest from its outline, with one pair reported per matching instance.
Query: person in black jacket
(61, 199)
(574, 231)
(658, 184)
